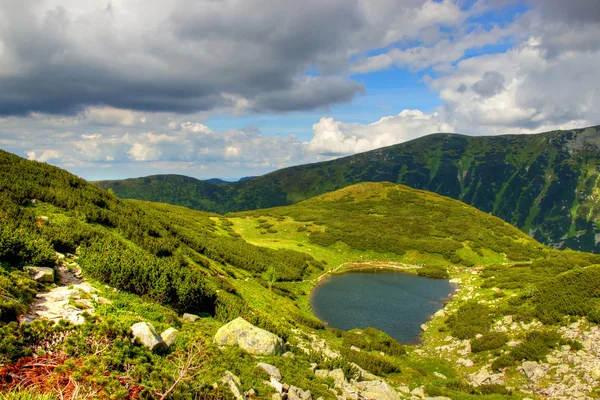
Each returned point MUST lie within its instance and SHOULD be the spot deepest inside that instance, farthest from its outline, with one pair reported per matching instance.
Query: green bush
(489, 341)
(374, 363)
(435, 272)
(470, 319)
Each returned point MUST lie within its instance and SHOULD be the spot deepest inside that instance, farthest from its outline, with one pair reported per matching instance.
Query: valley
(522, 325)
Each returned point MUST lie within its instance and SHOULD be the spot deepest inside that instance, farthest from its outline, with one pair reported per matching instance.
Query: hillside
(544, 184)
(150, 263)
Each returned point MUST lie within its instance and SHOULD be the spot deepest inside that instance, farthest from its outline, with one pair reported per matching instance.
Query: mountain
(545, 184)
(148, 263)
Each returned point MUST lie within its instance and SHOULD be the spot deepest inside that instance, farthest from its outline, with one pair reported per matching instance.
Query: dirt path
(67, 301)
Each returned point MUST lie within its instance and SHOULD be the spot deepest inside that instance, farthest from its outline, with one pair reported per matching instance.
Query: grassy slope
(545, 184)
(396, 224)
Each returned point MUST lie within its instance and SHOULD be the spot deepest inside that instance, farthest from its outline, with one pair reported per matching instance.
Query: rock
(440, 314)
(533, 370)
(565, 347)
(275, 384)
(376, 390)
(248, 337)
(322, 373)
(40, 274)
(169, 336)
(424, 327)
(272, 370)
(148, 337)
(513, 343)
(404, 389)
(234, 385)
(464, 362)
(596, 374)
(338, 377)
(478, 336)
(288, 354)
(438, 398)
(364, 375)
(60, 256)
(276, 396)
(295, 393)
(313, 366)
(190, 317)
(552, 360)
(354, 348)
(418, 392)
(455, 280)
(250, 393)
(441, 376)
(480, 377)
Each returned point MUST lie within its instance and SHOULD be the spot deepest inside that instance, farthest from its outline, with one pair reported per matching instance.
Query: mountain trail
(69, 300)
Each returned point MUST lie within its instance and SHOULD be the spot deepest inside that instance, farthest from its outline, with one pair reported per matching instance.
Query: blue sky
(236, 88)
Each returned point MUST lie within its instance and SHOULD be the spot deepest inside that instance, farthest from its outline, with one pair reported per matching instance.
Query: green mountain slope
(545, 184)
(150, 262)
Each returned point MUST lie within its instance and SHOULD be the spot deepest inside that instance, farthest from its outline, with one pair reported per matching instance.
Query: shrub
(435, 272)
(489, 341)
(371, 362)
(471, 319)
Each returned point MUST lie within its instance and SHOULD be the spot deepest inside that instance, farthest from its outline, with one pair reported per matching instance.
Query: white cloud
(336, 138)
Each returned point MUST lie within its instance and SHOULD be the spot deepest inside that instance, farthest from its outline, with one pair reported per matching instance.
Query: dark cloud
(183, 56)
(571, 11)
(491, 84)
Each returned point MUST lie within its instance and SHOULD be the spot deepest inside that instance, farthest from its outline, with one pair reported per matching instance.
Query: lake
(394, 302)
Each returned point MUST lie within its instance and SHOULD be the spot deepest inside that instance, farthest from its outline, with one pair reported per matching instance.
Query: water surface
(394, 302)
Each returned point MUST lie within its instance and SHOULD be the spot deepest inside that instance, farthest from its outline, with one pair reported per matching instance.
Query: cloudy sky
(230, 88)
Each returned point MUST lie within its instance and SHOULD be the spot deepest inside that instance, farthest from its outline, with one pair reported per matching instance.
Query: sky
(111, 89)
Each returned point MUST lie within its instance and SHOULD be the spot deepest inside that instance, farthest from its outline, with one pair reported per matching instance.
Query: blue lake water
(394, 302)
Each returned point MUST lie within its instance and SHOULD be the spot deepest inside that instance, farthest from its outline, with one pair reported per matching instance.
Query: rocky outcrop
(145, 333)
(40, 274)
(376, 390)
(248, 337)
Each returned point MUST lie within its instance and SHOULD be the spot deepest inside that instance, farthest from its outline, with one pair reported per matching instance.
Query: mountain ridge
(546, 184)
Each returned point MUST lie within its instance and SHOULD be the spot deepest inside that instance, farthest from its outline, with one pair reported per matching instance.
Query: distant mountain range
(545, 184)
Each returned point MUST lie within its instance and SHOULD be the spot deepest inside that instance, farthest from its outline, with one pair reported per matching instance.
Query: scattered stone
(533, 370)
(190, 317)
(40, 274)
(248, 337)
(376, 390)
(276, 396)
(404, 389)
(322, 373)
(234, 385)
(272, 370)
(440, 314)
(250, 393)
(169, 336)
(418, 392)
(364, 375)
(148, 337)
(424, 327)
(354, 348)
(60, 256)
(295, 393)
(478, 336)
(441, 376)
(464, 362)
(313, 366)
(288, 354)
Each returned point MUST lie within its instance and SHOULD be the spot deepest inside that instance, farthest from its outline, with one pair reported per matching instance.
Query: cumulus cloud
(334, 138)
(188, 56)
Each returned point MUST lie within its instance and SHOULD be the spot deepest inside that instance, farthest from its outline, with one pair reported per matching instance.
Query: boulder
(418, 392)
(234, 385)
(169, 336)
(272, 370)
(148, 337)
(40, 274)
(248, 337)
(376, 390)
(338, 377)
(190, 317)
